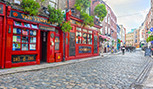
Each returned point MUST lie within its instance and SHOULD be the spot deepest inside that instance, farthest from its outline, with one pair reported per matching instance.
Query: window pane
(32, 39)
(16, 47)
(79, 29)
(24, 47)
(33, 33)
(16, 31)
(90, 31)
(25, 32)
(32, 46)
(84, 30)
(18, 23)
(89, 38)
(16, 38)
(57, 39)
(56, 46)
(78, 37)
(84, 40)
(26, 25)
(34, 26)
(24, 39)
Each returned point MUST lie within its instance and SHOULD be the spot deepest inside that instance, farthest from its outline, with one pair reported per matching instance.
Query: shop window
(84, 30)
(25, 41)
(84, 40)
(78, 37)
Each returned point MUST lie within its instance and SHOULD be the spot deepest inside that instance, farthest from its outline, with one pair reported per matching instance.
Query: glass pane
(32, 39)
(90, 31)
(89, 38)
(57, 39)
(16, 31)
(26, 25)
(84, 30)
(24, 39)
(25, 32)
(18, 23)
(32, 46)
(24, 47)
(33, 33)
(16, 38)
(79, 29)
(78, 37)
(84, 40)
(56, 46)
(34, 26)
(16, 47)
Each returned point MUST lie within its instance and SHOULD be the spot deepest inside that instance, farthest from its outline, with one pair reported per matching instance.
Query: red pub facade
(30, 40)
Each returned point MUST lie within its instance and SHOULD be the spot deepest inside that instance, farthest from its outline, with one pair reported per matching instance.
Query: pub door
(43, 46)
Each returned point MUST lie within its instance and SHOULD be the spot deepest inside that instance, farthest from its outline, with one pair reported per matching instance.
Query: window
(52, 3)
(84, 40)
(57, 40)
(24, 39)
(78, 29)
(89, 38)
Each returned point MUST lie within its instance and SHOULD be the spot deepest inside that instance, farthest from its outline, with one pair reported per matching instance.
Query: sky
(130, 13)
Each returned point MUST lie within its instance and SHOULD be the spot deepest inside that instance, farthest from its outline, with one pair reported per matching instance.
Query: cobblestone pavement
(113, 72)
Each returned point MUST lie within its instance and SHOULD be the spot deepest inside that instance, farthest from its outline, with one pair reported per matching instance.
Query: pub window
(78, 37)
(26, 25)
(34, 26)
(84, 40)
(24, 39)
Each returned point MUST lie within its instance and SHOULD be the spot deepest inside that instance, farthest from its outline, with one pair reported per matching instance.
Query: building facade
(123, 35)
(130, 39)
(118, 37)
(137, 38)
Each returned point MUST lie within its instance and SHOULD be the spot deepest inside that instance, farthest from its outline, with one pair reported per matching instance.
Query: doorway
(43, 46)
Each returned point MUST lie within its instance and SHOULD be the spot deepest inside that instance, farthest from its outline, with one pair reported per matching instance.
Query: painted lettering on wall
(23, 58)
(84, 49)
(23, 16)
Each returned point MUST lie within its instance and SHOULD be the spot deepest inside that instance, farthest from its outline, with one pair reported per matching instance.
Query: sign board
(84, 49)
(151, 29)
(46, 28)
(23, 16)
(23, 58)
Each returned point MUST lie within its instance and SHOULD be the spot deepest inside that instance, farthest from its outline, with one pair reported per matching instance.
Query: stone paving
(112, 72)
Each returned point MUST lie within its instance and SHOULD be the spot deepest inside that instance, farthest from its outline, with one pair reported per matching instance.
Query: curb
(45, 66)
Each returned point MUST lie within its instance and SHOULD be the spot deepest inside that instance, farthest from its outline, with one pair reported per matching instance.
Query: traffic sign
(151, 29)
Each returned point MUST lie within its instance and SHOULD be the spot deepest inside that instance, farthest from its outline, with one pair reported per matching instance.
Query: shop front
(81, 41)
(31, 40)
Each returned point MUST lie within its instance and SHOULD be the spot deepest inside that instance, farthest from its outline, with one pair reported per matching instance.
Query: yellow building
(130, 39)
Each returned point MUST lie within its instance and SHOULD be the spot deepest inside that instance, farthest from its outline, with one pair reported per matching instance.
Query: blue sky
(130, 13)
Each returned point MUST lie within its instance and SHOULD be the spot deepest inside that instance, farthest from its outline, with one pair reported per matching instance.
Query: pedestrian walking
(123, 50)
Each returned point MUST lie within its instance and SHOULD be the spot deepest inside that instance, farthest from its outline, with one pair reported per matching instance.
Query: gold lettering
(22, 15)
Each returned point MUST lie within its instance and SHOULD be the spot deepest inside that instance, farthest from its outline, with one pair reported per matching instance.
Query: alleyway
(112, 72)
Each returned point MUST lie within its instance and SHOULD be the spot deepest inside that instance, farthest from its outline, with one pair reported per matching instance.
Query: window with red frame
(24, 37)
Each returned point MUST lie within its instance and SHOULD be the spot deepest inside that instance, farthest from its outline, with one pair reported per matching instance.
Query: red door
(1, 29)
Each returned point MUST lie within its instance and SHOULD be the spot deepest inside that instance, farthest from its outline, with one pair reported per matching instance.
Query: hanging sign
(23, 16)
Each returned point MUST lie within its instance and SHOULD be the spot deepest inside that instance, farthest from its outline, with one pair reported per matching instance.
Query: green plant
(55, 16)
(66, 27)
(88, 20)
(100, 11)
(30, 6)
(82, 5)
(119, 41)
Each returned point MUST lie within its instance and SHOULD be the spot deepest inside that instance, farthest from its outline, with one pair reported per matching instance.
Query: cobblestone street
(112, 72)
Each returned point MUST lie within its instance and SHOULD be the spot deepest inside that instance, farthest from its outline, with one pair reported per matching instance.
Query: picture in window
(78, 37)
(25, 32)
(32, 46)
(32, 39)
(34, 26)
(26, 25)
(24, 39)
(16, 31)
(33, 33)
(18, 23)
(16, 47)
(16, 38)
(24, 47)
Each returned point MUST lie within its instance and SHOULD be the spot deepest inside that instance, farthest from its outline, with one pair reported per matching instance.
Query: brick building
(129, 39)
(137, 38)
